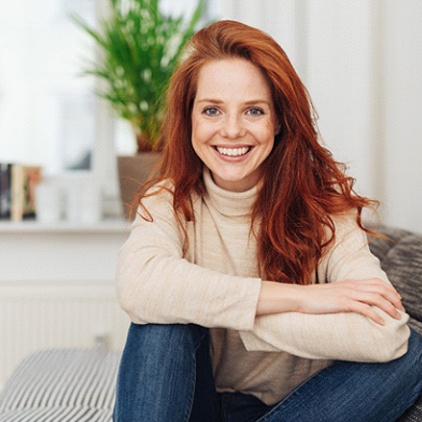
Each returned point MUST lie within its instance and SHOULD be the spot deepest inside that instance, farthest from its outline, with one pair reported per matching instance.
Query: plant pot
(134, 170)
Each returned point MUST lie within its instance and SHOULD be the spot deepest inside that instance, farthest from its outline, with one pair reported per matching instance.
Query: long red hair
(303, 185)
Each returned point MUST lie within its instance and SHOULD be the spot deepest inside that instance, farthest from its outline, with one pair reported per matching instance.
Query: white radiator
(35, 316)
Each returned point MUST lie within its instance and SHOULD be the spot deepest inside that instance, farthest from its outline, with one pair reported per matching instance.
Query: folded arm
(358, 317)
(156, 285)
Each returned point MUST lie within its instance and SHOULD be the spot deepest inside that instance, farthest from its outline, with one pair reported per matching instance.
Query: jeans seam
(190, 407)
(192, 397)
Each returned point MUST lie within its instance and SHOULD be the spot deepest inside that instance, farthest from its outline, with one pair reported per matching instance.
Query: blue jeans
(166, 376)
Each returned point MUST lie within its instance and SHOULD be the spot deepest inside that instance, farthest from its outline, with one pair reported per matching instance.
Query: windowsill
(103, 226)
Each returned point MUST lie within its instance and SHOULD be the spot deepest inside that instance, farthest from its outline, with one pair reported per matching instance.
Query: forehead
(233, 77)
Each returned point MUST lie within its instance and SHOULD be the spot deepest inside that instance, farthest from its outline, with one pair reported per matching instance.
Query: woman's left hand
(357, 296)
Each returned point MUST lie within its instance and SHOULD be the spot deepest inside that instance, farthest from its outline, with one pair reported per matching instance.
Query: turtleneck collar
(227, 202)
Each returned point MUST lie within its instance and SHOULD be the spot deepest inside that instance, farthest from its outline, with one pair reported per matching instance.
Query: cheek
(194, 128)
(197, 139)
(267, 138)
(266, 133)
(269, 148)
(201, 131)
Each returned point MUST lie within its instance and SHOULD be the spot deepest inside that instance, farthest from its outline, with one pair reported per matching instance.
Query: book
(5, 194)
(23, 184)
(32, 177)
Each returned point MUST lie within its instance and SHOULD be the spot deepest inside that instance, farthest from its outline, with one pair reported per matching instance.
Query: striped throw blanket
(61, 385)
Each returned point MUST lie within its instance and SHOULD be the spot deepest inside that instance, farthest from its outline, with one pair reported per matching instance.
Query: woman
(247, 275)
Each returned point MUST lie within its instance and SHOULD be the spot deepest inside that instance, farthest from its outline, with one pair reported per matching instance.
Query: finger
(368, 311)
(364, 300)
(381, 298)
(387, 291)
(393, 297)
(396, 302)
(386, 306)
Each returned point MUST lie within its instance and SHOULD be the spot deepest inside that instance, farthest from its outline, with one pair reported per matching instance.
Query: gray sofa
(401, 259)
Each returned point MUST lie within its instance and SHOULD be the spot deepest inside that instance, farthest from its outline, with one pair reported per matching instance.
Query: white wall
(57, 288)
(339, 82)
(361, 61)
(403, 113)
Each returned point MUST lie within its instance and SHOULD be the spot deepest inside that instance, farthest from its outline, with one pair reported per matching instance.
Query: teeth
(233, 152)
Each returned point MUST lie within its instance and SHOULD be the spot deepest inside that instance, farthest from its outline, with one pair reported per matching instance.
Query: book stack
(17, 191)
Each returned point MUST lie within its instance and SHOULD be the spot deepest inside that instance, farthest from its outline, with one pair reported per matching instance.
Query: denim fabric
(157, 375)
(165, 375)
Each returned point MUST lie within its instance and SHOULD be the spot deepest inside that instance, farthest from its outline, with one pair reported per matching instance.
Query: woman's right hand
(357, 296)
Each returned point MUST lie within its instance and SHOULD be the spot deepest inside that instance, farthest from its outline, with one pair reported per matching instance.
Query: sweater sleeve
(338, 336)
(155, 284)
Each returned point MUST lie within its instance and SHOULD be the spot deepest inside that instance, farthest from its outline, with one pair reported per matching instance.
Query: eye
(255, 111)
(211, 111)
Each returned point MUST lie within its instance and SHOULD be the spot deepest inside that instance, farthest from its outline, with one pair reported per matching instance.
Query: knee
(154, 348)
(158, 338)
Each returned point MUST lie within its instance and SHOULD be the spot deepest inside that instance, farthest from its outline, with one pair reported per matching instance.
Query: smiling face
(233, 122)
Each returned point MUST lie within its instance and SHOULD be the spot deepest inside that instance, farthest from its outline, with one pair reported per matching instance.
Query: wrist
(276, 298)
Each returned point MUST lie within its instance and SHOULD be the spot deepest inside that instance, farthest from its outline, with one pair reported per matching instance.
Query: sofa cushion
(381, 246)
(404, 267)
(401, 259)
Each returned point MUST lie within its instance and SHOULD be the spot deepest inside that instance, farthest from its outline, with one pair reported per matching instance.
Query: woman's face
(233, 122)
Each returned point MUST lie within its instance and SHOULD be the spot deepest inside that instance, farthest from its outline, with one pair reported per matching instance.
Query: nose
(232, 127)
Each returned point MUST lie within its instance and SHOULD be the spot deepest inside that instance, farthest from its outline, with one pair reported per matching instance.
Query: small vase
(134, 171)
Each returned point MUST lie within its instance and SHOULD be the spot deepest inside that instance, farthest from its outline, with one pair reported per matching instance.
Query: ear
(277, 128)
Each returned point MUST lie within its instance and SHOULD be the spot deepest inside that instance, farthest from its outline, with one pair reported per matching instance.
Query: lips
(233, 152)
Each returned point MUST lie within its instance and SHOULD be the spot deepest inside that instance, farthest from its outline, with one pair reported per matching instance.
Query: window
(46, 108)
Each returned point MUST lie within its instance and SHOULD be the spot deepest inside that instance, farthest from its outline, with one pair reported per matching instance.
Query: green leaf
(139, 48)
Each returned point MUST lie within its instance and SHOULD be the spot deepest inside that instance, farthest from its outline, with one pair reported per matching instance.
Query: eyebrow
(217, 101)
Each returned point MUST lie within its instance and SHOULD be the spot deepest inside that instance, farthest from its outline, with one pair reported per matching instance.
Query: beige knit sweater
(216, 285)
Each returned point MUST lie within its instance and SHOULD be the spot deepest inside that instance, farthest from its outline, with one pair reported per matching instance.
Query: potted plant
(139, 48)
